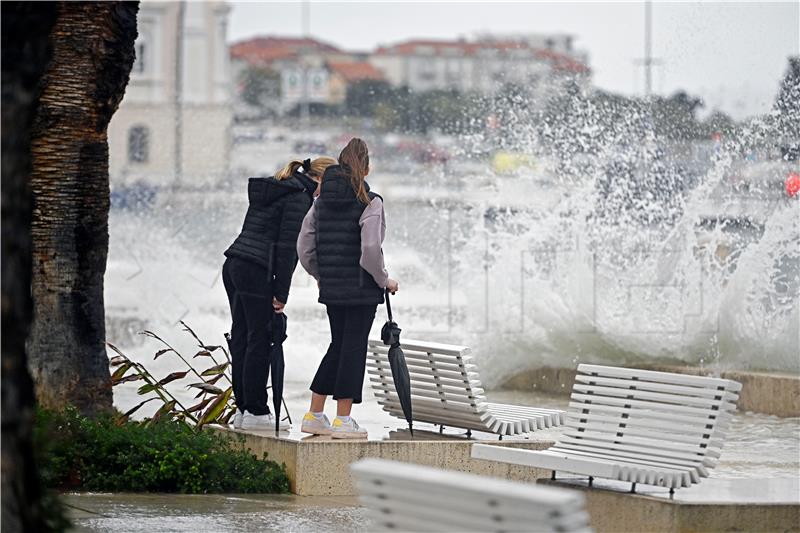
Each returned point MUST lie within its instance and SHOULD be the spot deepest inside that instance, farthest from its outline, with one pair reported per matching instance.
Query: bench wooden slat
(417, 373)
(644, 451)
(386, 383)
(386, 376)
(438, 361)
(433, 403)
(639, 418)
(437, 395)
(675, 449)
(662, 377)
(603, 425)
(660, 409)
(634, 460)
(422, 346)
(422, 369)
(682, 390)
(651, 396)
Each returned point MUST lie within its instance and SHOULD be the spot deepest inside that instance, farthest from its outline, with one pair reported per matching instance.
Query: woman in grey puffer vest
(257, 274)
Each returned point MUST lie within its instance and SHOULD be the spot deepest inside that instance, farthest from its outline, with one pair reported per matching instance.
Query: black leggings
(250, 297)
(341, 372)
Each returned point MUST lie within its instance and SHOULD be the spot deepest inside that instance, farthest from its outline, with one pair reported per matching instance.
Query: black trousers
(249, 289)
(341, 372)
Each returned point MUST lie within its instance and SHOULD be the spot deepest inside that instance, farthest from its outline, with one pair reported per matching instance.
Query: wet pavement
(758, 447)
(171, 513)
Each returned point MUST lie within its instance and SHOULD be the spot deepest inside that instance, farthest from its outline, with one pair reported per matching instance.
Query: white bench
(446, 390)
(407, 497)
(639, 426)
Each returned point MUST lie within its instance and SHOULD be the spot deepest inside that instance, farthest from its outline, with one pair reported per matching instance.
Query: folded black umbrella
(390, 335)
(277, 365)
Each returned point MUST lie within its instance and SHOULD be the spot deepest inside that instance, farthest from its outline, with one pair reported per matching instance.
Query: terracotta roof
(558, 60)
(562, 61)
(261, 50)
(410, 47)
(355, 71)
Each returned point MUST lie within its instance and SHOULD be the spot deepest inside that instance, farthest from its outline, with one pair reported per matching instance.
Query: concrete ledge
(762, 392)
(713, 505)
(319, 466)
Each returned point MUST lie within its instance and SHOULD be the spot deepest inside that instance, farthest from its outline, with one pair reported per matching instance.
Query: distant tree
(82, 87)
(717, 122)
(25, 49)
(260, 86)
(675, 117)
(364, 95)
(787, 102)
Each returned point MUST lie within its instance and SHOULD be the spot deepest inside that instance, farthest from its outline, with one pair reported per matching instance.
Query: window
(138, 144)
(140, 64)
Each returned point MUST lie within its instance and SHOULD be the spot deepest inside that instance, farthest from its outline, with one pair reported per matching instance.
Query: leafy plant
(215, 402)
(159, 455)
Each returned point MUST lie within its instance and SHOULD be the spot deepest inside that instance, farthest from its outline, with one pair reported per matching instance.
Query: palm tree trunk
(84, 83)
(25, 51)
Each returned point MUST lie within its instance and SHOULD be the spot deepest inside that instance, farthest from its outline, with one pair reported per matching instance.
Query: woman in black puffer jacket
(257, 274)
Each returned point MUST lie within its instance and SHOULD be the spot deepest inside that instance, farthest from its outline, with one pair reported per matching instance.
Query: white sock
(317, 415)
(343, 418)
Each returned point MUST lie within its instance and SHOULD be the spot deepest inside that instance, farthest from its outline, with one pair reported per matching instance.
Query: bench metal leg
(499, 437)
(633, 488)
(553, 475)
(591, 480)
(671, 493)
(469, 433)
(441, 429)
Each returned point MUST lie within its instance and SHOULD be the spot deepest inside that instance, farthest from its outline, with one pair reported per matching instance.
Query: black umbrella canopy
(277, 364)
(390, 335)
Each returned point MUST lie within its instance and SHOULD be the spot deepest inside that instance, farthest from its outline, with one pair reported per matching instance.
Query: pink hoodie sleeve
(373, 231)
(307, 243)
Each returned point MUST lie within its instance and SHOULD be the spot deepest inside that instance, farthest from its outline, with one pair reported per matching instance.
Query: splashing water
(609, 245)
(633, 258)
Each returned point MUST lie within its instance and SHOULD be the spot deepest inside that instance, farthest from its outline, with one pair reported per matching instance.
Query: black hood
(264, 191)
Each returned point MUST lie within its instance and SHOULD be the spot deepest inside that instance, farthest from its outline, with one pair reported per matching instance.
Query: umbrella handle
(388, 305)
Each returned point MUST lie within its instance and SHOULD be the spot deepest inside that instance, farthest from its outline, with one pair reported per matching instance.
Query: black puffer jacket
(271, 225)
(342, 280)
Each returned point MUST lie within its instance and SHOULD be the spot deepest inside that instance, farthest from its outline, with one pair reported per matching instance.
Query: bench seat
(406, 497)
(639, 426)
(446, 390)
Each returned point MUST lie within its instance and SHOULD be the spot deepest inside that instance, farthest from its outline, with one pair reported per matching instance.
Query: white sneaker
(261, 422)
(237, 419)
(316, 426)
(347, 430)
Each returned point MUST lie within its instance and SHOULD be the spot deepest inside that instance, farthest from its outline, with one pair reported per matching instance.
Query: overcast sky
(732, 54)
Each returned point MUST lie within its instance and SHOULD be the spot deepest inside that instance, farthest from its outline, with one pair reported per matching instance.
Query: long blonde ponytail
(289, 170)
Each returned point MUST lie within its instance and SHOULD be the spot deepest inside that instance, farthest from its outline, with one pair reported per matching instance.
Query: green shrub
(103, 454)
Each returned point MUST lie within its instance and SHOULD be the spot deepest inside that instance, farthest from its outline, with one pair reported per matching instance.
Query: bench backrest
(444, 381)
(407, 497)
(660, 416)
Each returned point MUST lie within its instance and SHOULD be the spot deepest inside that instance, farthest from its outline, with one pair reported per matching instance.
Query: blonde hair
(319, 165)
(315, 171)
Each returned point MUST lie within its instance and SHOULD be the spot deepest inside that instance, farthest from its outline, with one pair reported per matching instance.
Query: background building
(308, 70)
(173, 127)
(484, 65)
